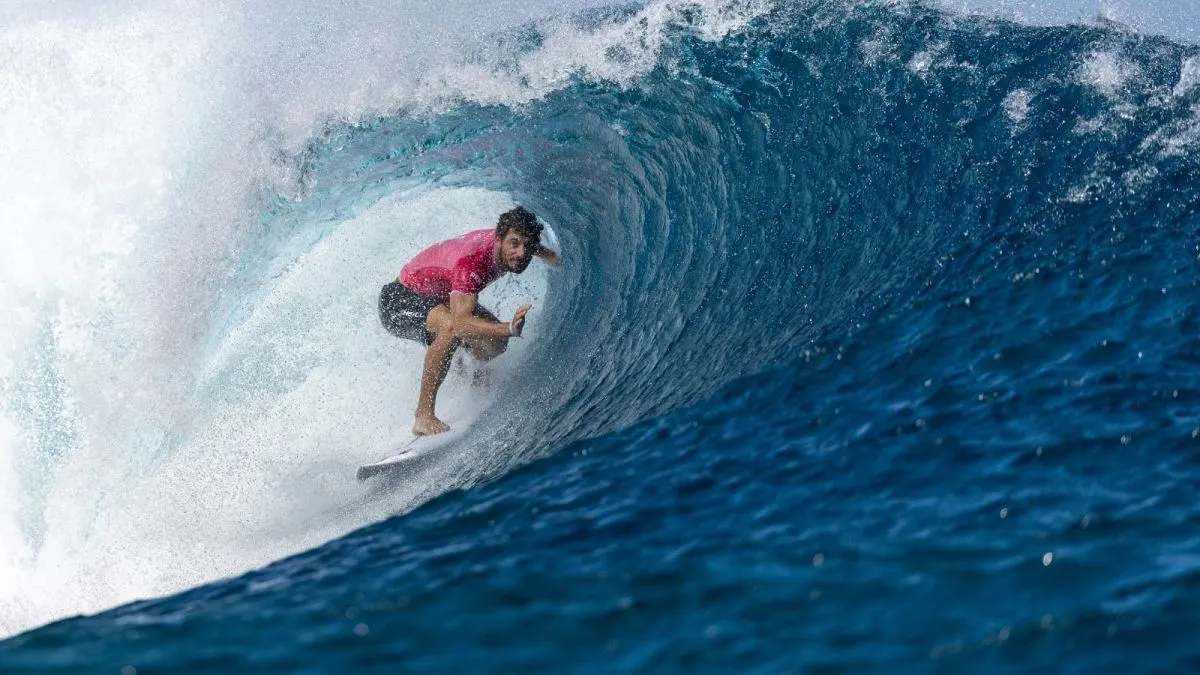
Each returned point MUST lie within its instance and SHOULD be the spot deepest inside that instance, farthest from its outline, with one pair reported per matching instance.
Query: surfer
(435, 300)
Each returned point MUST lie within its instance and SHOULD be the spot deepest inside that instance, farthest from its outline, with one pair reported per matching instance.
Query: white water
(145, 445)
(256, 460)
(1176, 19)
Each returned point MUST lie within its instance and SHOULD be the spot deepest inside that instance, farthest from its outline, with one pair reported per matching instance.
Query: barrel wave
(875, 348)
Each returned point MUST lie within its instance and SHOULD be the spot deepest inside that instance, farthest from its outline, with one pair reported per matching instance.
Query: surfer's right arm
(549, 255)
(467, 325)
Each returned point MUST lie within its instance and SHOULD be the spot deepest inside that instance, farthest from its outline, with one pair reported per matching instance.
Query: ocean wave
(746, 197)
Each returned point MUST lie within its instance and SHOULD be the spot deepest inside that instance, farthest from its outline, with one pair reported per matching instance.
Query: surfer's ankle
(428, 424)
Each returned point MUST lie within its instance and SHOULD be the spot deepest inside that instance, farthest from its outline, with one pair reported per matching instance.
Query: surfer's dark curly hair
(522, 220)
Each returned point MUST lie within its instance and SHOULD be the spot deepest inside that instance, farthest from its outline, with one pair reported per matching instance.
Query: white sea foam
(1189, 76)
(1107, 72)
(1174, 19)
(1016, 105)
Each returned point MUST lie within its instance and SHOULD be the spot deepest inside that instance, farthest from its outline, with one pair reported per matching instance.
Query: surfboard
(412, 453)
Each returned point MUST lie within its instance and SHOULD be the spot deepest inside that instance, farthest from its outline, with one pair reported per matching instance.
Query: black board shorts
(403, 312)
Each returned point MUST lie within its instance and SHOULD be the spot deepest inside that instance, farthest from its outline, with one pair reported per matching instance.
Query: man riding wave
(435, 300)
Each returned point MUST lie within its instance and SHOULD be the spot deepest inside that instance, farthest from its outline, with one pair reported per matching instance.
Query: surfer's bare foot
(428, 425)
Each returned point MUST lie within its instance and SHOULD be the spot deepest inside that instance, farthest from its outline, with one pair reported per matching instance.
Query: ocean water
(875, 348)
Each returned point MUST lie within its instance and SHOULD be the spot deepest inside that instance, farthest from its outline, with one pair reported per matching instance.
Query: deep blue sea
(875, 348)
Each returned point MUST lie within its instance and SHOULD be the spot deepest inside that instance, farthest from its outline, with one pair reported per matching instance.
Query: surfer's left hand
(518, 321)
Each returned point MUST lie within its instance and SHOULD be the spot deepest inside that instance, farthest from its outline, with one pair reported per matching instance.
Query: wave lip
(165, 143)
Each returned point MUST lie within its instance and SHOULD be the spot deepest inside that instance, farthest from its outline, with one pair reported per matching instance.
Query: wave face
(875, 348)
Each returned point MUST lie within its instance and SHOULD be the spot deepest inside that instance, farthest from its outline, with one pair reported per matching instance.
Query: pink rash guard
(465, 264)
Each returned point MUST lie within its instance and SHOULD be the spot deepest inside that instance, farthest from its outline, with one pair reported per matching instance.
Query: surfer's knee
(440, 325)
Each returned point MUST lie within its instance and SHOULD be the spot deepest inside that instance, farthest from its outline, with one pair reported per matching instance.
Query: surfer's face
(515, 251)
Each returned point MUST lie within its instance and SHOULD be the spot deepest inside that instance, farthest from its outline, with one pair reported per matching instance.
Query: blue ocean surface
(875, 349)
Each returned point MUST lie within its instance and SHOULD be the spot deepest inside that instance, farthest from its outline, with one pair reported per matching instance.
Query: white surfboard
(420, 447)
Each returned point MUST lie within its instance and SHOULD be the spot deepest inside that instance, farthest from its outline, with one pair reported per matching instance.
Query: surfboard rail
(417, 448)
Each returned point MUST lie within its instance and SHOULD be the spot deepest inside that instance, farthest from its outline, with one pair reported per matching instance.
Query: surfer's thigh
(485, 313)
(404, 313)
